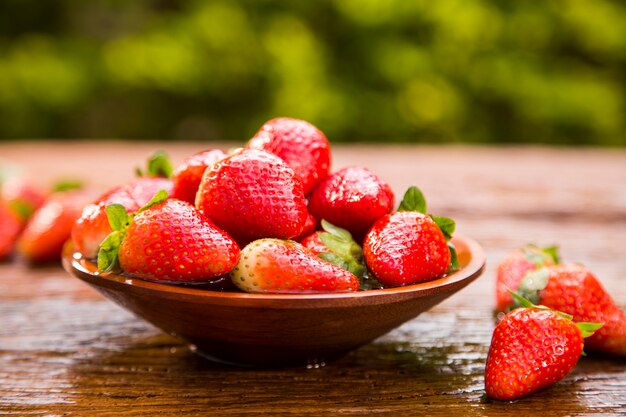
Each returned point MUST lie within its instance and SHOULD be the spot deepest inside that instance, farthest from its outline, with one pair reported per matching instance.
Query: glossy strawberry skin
(352, 198)
(300, 144)
(406, 247)
(50, 227)
(173, 242)
(93, 226)
(10, 227)
(187, 176)
(287, 267)
(575, 290)
(531, 349)
(512, 269)
(253, 194)
(314, 243)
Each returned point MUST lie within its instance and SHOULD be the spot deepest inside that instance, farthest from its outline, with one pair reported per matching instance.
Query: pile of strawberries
(554, 307)
(271, 217)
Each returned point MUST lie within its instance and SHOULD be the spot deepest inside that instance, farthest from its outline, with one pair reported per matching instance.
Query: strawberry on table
(167, 240)
(253, 194)
(284, 266)
(22, 196)
(512, 269)
(408, 246)
(352, 198)
(10, 227)
(575, 290)
(50, 226)
(300, 144)
(532, 348)
(187, 176)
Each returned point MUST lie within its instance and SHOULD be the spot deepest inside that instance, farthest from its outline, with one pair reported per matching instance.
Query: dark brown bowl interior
(276, 330)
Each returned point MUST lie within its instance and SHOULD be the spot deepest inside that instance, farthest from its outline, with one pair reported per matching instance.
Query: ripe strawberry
(92, 227)
(10, 227)
(167, 240)
(285, 266)
(253, 194)
(575, 290)
(408, 247)
(50, 226)
(352, 198)
(531, 349)
(309, 227)
(300, 144)
(515, 266)
(187, 176)
(22, 196)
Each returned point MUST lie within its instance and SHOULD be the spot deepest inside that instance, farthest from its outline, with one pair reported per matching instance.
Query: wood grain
(64, 350)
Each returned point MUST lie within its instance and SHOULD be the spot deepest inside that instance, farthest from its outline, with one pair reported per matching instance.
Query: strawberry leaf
(159, 165)
(343, 250)
(587, 328)
(552, 252)
(67, 186)
(446, 224)
(22, 208)
(532, 283)
(118, 217)
(161, 195)
(109, 250)
(413, 200)
(454, 259)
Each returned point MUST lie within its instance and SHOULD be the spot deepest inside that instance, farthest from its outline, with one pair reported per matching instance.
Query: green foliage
(362, 70)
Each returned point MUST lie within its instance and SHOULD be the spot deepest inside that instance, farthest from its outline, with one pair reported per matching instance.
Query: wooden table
(64, 350)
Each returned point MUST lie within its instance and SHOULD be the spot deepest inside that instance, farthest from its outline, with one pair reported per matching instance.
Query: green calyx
(343, 251)
(119, 220)
(541, 256)
(586, 328)
(414, 200)
(158, 165)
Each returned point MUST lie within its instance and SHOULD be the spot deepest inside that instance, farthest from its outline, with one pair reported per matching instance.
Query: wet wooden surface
(64, 350)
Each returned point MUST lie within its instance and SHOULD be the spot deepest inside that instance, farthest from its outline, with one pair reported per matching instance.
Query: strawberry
(50, 226)
(22, 196)
(10, 227)
(309, 227)
(531, 349)
(93, 225)
(512, 269)
(253, 194)
(352, 198)
(408, 246)
(167, 240)
(187, 176)
(284, 266)
(575, 290)
(300, 144)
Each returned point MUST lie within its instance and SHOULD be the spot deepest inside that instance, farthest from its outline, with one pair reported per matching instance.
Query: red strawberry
(309, 227)
(285, 266)
(253, 194)
(352, 198)
(50, 226)
(409, 247)
(10, 227)
(93, 225)
(22, 196)
(187, 176)
(303, 146)
(314, 243)
(575, 290)
(531, 349)
(515, 266)
(168, 240)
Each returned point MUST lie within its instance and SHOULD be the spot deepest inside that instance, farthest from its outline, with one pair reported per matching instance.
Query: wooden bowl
(276, 330)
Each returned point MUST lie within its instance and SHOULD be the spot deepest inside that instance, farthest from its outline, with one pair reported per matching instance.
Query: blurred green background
(496, 71)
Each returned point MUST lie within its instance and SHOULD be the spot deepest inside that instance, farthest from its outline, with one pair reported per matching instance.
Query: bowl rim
(86, 270)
